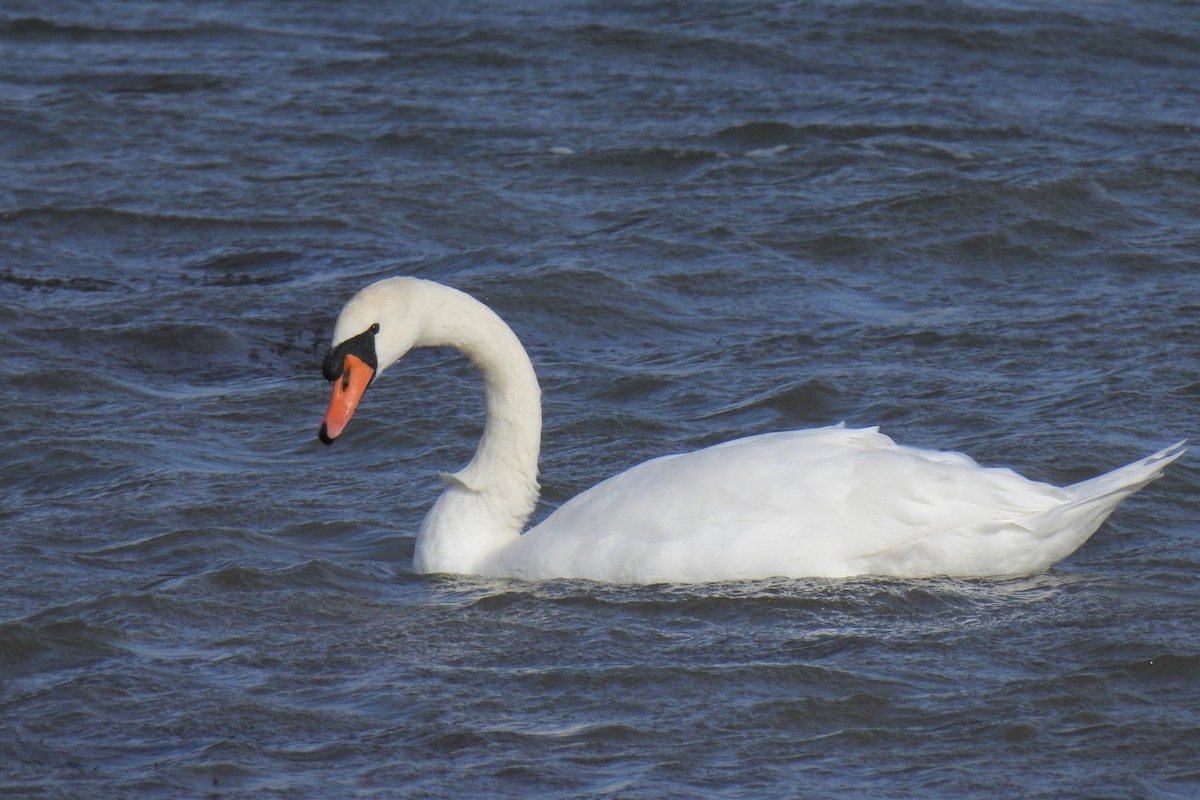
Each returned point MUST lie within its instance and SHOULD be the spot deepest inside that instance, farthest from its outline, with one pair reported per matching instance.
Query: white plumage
(827, 502)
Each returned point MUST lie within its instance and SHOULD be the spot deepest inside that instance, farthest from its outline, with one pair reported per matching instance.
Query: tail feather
(1124, 481)
(1067, 526)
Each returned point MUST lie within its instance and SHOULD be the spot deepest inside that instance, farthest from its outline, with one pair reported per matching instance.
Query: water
(972, 223)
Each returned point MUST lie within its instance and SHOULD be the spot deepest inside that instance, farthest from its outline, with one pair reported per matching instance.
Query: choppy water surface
(972, 223)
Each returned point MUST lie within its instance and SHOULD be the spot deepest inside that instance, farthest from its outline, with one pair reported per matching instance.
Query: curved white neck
(485, 506)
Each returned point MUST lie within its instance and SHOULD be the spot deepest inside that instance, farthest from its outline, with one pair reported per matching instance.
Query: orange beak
(347, 391)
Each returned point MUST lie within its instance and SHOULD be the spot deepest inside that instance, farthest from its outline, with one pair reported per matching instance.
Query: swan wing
(823, 502)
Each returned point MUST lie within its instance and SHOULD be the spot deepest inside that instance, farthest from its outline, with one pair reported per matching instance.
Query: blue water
(970, 223)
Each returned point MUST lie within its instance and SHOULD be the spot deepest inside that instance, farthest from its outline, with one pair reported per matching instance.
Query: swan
(827, 502)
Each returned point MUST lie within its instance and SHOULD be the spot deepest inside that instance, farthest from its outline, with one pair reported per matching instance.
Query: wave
(104, 218)
(75, 283)
(24, 29)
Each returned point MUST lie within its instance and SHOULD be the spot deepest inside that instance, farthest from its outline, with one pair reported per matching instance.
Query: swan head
(375, 329)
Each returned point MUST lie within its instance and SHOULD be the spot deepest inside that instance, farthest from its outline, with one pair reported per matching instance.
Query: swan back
(829, 502)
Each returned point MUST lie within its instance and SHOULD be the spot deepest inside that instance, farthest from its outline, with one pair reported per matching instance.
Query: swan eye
(375, 328)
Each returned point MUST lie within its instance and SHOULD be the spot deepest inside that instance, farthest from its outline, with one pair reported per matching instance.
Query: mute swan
(827, 502)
